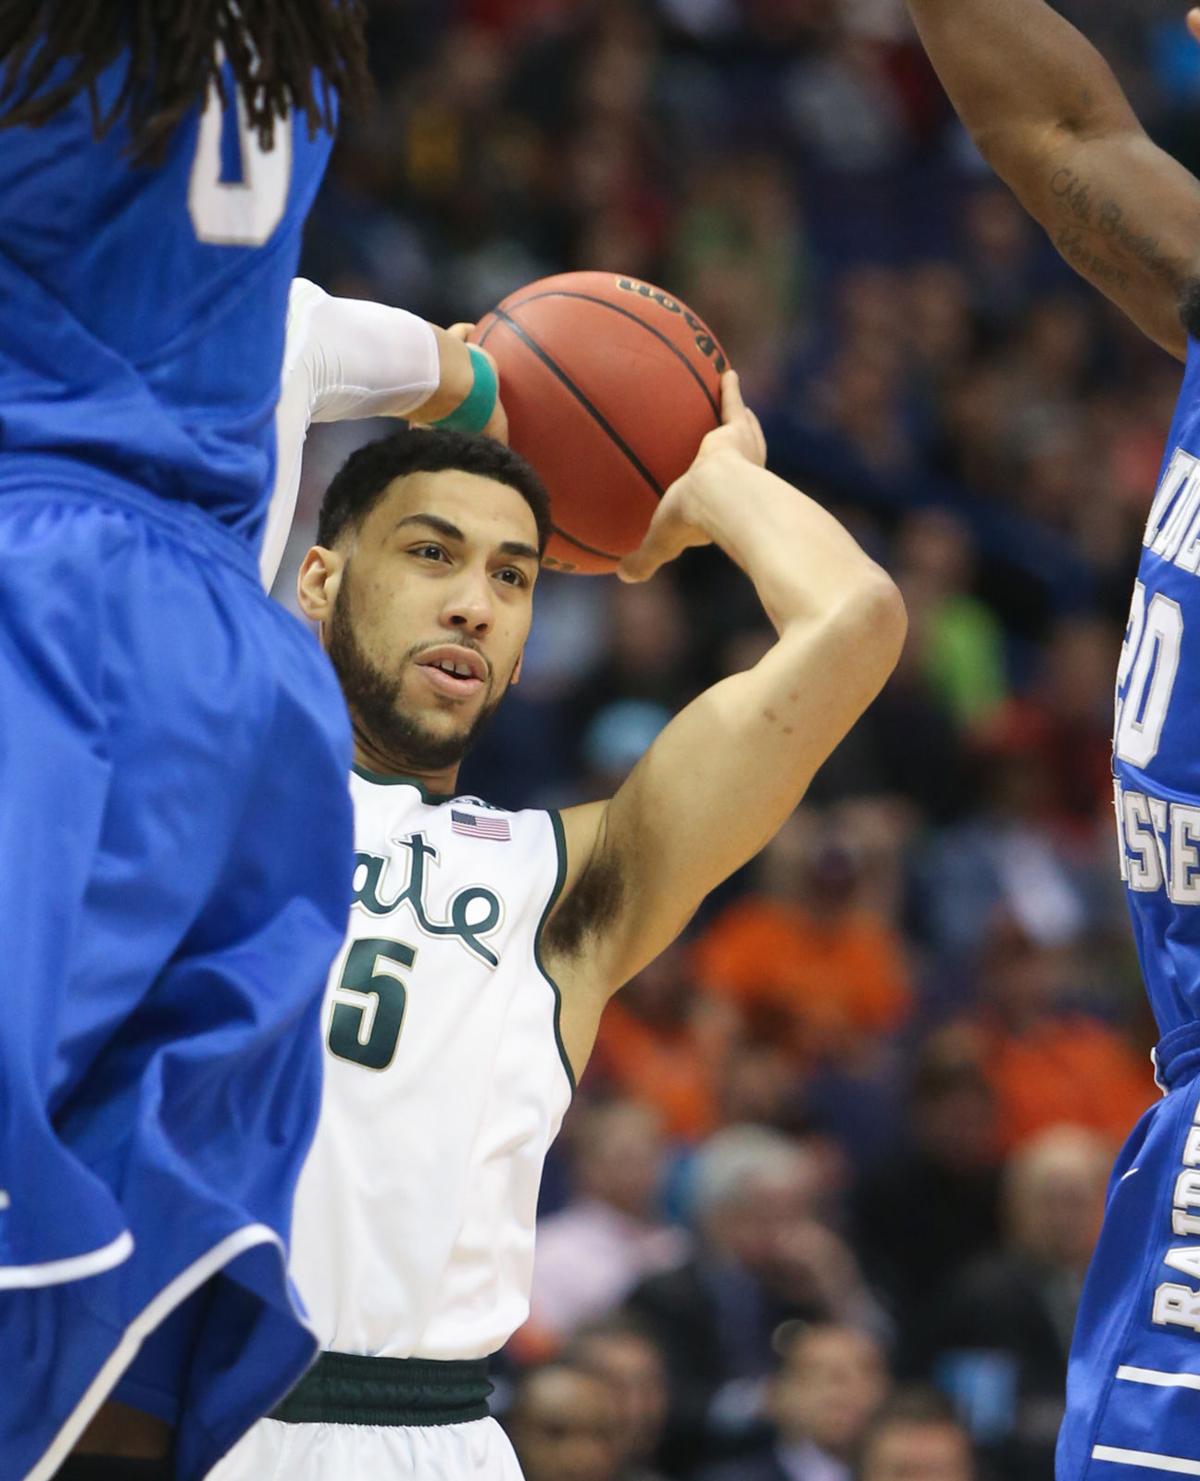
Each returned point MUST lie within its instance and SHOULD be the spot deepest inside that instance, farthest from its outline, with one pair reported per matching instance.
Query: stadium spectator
(934, 1204)
(619, 1349)
(610, 1235)
(829, 1385)
(915, 1437)
(564, 1424)
(1004, 859)
(1049, 1062)
(662, 1041)
(807, 944)
(763, 1257)
(998, 1339)
(960, 643)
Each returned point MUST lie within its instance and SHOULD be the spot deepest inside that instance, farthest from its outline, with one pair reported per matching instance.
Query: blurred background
(824, 1202)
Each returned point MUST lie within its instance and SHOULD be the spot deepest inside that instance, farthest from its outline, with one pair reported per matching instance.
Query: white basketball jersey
(445, 1080)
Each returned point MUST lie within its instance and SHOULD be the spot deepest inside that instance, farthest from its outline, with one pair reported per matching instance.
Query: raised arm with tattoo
(1049, 116)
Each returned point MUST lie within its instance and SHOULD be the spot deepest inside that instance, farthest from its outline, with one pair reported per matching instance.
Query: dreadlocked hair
(277, 50)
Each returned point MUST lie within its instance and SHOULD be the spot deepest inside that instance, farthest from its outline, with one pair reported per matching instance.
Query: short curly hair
(360, 482)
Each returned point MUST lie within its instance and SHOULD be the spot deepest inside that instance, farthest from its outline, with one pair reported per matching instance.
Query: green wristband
(474, 412)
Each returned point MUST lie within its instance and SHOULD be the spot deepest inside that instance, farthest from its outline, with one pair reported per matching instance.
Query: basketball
(609, 384)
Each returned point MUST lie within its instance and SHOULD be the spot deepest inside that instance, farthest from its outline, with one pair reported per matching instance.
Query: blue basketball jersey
(165, 962)
(142, 310)
(1156, 748)
(1135, 1359)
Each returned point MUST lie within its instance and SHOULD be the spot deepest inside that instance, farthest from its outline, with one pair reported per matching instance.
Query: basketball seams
(588, 549)
(666, 339)
(562, 534)
(609, 392)
(585, 401)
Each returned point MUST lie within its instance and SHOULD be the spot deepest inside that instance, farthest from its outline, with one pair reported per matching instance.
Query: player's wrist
(709, 485)
(478, 405)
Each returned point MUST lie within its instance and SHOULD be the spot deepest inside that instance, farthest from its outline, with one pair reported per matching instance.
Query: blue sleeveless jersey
(1135, 1359)
(1156, 748)
(142, 310)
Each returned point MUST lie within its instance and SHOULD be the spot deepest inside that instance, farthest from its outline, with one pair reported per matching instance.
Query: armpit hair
(590, 908)
(1189, 308)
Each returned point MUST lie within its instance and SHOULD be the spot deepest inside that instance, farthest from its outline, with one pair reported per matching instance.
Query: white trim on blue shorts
(75, 1267)
(1158, 1378)
(175, 1292)
(1147, 1459)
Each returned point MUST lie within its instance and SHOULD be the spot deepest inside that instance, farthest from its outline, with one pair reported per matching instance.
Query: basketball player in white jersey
(482, 944)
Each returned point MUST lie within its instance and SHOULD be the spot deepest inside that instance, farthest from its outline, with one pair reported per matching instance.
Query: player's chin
(450, 725)
(445, 721)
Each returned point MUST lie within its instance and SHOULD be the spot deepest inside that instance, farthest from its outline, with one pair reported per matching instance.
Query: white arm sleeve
(343, 359)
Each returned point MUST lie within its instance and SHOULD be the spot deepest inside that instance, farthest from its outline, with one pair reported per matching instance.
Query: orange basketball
(609, 384)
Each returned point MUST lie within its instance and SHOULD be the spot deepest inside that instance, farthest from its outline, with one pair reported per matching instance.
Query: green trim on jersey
(560, 844)
(381, 780)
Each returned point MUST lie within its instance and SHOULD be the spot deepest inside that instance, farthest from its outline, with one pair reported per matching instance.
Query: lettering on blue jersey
(475, 912)
(1173, 527)
(1146, 675)
(1177, 1305)
(1160, 845)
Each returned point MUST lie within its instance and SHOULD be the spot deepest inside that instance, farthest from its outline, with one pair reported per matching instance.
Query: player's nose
(469, 607)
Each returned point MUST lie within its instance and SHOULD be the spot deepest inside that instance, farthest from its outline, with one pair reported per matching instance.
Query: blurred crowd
(824, 1203)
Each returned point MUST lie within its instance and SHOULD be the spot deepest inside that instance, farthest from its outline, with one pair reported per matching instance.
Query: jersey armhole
(560, 847)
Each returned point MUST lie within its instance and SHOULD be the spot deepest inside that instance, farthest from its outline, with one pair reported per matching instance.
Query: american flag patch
(473, 827)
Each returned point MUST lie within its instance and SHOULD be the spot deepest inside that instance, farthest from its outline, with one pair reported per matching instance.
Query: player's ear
(318, 582)
(516, 673)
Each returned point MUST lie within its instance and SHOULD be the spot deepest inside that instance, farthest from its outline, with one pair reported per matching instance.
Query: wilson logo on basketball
(705, 342)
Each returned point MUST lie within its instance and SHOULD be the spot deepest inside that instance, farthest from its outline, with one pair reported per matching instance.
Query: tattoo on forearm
(1110, 249)
(1074, 193)
(1142, 247)
(1071, 243)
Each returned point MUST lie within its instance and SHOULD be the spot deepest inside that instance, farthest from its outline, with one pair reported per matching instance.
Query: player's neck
(371, 757)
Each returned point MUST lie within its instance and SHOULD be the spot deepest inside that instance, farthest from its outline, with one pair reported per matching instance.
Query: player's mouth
(453, 670)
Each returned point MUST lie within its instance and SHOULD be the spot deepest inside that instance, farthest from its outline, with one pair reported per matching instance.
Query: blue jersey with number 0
(1157, 735)
(142, 310)
(165, 946)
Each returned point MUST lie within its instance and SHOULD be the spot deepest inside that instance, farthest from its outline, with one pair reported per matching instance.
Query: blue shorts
(175, 858)
(1133, 1387)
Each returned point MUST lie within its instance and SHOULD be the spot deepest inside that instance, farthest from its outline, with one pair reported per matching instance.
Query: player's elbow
(874, 622)
(886, 615)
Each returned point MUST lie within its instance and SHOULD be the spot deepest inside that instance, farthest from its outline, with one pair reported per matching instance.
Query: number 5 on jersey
(369, 1003)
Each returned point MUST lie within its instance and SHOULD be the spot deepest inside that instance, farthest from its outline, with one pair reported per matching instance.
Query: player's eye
(511, 576)
(428, 551)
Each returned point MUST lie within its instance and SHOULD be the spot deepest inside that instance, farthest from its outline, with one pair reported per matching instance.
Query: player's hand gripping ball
(676, 525)
(609, 385)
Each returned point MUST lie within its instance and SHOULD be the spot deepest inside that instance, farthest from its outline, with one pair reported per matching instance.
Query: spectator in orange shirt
(805, 941)
(1047, 1062)
(662, 1042)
